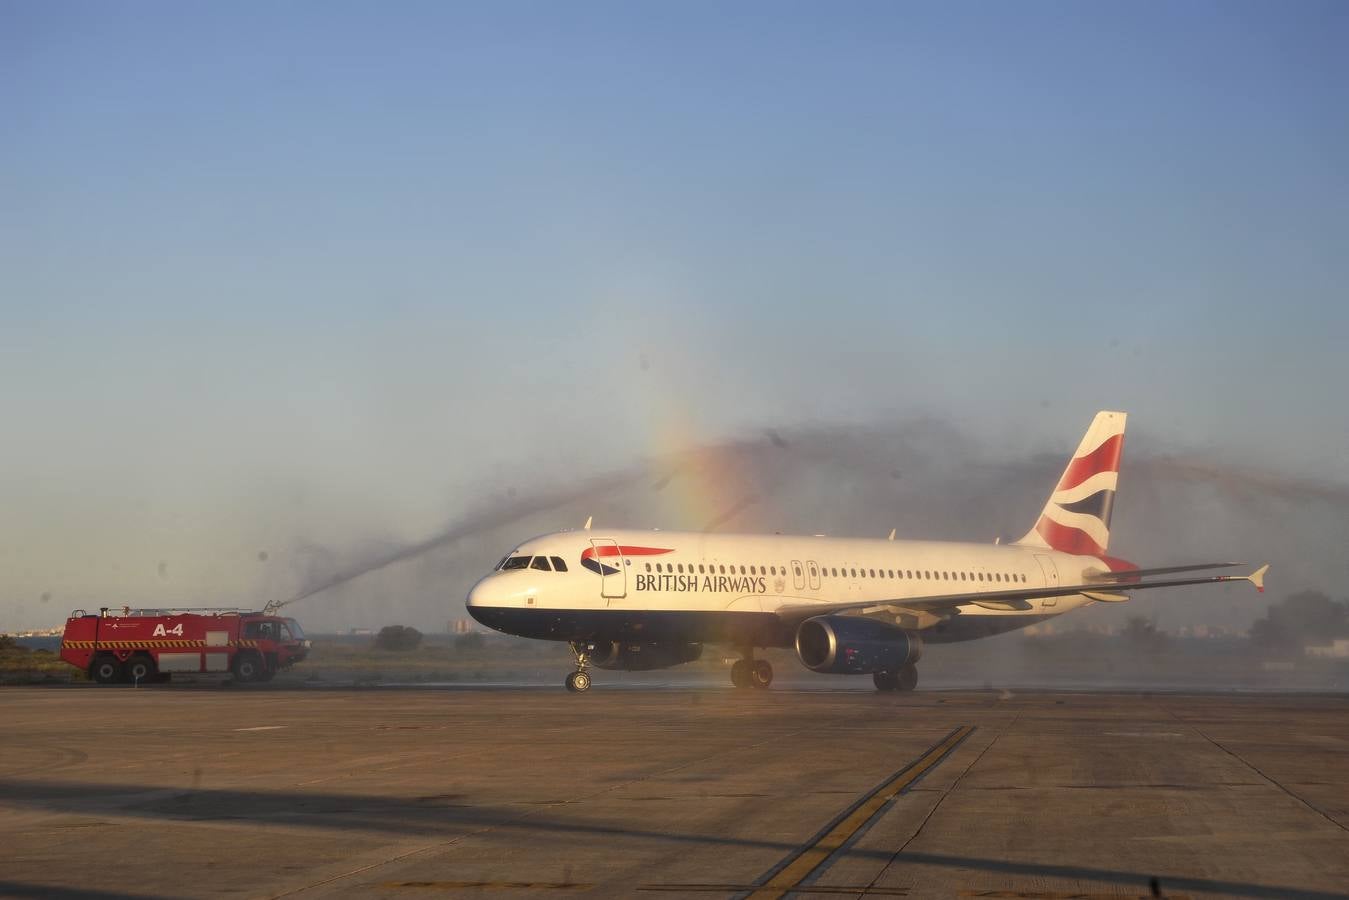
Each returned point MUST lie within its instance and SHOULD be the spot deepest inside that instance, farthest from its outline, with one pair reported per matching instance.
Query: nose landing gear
(578, 682)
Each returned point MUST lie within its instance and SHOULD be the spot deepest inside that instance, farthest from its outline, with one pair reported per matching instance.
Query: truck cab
(280, 641)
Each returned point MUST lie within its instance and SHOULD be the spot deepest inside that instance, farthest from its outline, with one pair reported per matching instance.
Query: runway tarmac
(533, 792)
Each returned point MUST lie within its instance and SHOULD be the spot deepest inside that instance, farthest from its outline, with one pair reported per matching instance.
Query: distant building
(459, 626)
(1338, 649)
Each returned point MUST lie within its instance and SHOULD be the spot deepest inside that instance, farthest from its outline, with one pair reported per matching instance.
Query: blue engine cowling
(850, 645)
(631, 657)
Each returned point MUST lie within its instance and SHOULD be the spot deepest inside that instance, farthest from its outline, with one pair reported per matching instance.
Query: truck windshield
(295, 629)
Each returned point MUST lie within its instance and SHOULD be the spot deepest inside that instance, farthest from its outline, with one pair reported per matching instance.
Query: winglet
(588, 521)
(1257, 578)
(892, 535)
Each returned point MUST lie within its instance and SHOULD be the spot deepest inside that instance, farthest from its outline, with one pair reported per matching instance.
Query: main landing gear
(578, 682)
(906, 679)
(751, 672)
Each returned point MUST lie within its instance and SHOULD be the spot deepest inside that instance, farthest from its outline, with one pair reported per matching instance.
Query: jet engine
(851, 645)
(643, 657)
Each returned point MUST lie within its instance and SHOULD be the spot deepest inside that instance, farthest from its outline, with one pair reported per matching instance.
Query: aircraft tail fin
(1076, 518)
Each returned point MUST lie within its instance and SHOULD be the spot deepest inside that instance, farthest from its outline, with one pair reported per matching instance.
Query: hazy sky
(311, 272)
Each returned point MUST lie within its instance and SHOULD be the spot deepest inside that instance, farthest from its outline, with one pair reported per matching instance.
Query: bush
(398, 637)
(470, 641)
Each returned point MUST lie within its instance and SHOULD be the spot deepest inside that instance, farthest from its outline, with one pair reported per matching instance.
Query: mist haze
(925, 479)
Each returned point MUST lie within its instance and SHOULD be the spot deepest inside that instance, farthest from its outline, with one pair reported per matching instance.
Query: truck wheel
(247, 668)
(139, 669)
(105, 669)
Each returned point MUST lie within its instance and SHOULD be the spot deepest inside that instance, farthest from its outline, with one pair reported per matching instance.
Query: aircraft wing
(1018, 599)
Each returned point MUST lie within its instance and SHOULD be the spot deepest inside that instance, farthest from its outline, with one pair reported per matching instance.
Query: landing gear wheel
(886, 681)
(106, 670)
(760, 673)
(139, 669)
(740, 676)
(578, 682)
(908, 678)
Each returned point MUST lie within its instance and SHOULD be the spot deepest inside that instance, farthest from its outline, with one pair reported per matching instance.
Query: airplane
(642, 600)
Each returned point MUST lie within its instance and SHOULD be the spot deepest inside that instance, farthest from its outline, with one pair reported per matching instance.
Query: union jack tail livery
(1076, 519)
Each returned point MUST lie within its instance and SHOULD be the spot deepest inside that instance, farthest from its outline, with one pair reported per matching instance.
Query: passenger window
(559, 564)
(541, 563)
(721, 569)
(648, 567)
(516, 562)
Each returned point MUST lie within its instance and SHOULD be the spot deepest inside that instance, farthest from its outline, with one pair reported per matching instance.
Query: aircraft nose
(489, 604)
(479, 595)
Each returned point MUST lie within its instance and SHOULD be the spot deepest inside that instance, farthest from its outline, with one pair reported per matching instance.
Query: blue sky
(323, 270)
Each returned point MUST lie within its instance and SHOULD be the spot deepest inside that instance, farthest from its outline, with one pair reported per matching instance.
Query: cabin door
(612, 568)
(1051, 573)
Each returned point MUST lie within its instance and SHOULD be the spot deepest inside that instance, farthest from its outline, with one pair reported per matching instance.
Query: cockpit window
(559, 565)
(541, 563)
(515, 562)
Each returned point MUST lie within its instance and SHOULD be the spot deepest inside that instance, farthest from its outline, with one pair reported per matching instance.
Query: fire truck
(145, 645)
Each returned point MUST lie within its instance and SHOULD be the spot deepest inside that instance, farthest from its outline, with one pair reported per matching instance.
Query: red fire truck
(139, 646)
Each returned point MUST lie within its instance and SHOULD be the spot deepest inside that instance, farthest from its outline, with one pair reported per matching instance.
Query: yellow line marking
(810, 858)
(1065, 895)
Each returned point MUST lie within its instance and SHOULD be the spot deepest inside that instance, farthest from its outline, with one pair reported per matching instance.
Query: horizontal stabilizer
(1106, 575)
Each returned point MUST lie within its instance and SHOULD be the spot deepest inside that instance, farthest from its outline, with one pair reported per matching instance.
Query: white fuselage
(660, 585)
